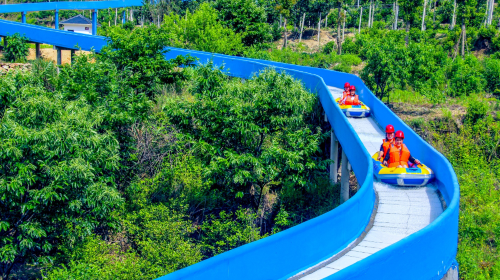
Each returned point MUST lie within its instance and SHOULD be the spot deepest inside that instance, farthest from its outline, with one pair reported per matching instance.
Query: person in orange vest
(347, 86)
(386, 144)
(398, 154)
(352, 98)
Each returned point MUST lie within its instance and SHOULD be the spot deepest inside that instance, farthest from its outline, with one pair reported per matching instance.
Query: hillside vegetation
(128, 166)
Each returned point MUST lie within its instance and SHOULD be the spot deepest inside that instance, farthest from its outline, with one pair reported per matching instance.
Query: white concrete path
(401, 210)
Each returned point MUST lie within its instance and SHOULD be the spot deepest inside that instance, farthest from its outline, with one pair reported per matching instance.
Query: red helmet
(347, 85)
(400, 134)
(389, 128)
(352, 88)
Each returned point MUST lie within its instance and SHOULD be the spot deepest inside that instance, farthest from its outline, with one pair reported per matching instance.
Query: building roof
(78, 19)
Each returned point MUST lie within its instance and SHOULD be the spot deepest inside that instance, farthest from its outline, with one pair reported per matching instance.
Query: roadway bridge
(382, 232)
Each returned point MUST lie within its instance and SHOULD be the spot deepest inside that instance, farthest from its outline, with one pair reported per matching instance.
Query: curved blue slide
(306, 251)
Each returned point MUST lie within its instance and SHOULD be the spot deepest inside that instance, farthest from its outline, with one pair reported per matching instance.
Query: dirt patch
(356, 69)
(428, 112)
(310, 39)
(51, 54)
(6, 67)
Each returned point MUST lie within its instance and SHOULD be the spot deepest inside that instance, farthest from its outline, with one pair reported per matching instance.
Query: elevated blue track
(426, 254)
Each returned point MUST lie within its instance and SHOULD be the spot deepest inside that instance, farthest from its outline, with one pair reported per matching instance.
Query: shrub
(492, 75)
(476, 110)
(328, 48)
(487, 32)
(386, 65)
(276, 31)
(350, 47)
(245, 17)
(465, 76)
(17, 48)
(129, 25)
(203, 31)
(379, 24)
(141, 52)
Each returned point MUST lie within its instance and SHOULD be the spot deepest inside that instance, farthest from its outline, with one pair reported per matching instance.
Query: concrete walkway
(401, 210)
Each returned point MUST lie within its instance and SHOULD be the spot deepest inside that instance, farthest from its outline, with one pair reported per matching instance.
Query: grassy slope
(445, 127)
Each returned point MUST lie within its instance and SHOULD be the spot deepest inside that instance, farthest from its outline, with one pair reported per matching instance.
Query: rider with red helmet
(398, 154)
(347, 86)
(386, 143)
(352, 98)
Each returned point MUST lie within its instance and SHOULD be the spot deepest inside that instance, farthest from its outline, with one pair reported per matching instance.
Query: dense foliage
(473, 148)
(126, 165)
(16, 49)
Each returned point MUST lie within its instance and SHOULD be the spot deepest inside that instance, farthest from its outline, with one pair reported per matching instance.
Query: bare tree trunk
(326, 21)
(492, 9)
(487, 13)
(454, 17)
(280, 22)
(360, 18)
(370, 15)
(457, 46)
(357, 5)
(373, 15)
(423, 15)
(394, 13)
(397, 16)
(463, 37)
(434, 14)
(302, 26)
(319, 28)
(116, 14)
(343, 27)
(285, 43)
(339, 43)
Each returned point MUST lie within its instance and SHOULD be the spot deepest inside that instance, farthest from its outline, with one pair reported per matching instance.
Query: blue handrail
(47, 6)
(426, 254)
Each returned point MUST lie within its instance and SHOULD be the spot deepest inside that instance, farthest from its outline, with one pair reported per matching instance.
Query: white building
(78, 24)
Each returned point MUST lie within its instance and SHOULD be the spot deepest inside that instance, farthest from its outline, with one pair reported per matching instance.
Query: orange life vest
(352, 101)
(399, 156)
(345, 94)
(386, 145)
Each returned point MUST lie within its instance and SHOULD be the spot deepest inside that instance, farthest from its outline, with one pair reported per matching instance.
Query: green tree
(203, 31)
(492, 75)
(246, 17)
(17, 48)
(284, 8)
(140, 54)
(386, 65)
(56, 176)
(409, 12)
(252, 137)
(465, 77)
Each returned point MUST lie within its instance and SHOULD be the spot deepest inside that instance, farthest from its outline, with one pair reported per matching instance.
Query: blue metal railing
(48, 6)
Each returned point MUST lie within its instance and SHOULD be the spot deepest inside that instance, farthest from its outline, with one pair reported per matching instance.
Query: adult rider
(386, 144)
(399, 155)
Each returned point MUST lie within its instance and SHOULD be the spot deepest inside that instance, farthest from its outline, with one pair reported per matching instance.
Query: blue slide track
(425, 254)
